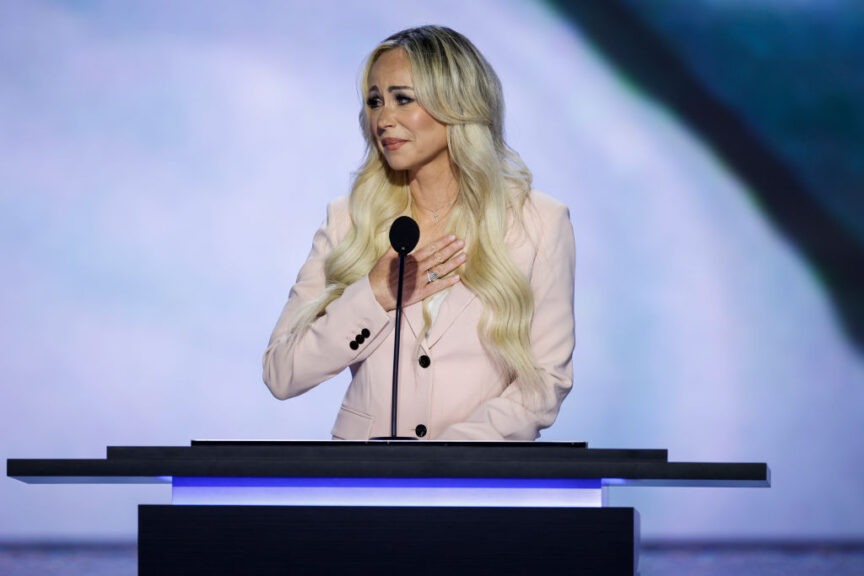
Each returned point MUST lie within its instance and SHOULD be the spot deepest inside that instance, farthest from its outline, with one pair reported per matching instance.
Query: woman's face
(408, 137)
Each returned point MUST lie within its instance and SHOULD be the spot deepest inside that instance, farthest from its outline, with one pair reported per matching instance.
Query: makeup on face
(406, 134)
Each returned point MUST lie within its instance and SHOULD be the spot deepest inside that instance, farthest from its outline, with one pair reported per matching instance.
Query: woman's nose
(386, 118)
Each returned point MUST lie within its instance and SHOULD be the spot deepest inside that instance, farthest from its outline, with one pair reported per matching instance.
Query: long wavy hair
(455, 84)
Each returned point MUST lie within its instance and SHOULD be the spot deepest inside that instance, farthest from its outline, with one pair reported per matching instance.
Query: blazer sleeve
(514, 415)
(293, 363)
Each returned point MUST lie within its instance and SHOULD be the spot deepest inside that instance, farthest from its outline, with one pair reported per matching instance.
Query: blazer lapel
(413, 315)
(451, 308)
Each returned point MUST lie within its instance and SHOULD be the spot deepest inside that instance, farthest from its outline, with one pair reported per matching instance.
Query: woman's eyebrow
(391, 88)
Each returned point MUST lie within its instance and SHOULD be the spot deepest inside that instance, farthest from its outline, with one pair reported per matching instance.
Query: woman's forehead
(392, 68)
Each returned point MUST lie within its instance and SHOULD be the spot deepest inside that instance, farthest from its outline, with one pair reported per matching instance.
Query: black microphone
(404, 235)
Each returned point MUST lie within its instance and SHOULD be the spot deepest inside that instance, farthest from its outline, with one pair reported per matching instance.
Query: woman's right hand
(440, 257)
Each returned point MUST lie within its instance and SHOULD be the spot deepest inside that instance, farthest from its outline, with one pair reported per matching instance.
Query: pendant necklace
(435, 215)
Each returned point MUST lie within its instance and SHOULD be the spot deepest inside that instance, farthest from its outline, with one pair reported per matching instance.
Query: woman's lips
(392, 143)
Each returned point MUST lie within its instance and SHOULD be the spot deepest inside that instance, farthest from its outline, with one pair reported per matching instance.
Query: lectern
(362, 508)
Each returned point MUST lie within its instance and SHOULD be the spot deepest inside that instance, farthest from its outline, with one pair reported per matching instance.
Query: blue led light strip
(501, 492)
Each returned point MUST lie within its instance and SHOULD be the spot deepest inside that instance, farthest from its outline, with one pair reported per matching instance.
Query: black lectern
(257, 507)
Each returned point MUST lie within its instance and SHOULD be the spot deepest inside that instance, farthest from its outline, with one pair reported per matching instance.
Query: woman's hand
(434, 260)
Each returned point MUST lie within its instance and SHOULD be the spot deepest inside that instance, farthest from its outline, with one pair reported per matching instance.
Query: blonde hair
(455, 84)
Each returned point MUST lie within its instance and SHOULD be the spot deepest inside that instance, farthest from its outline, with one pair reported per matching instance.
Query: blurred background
(164, 165)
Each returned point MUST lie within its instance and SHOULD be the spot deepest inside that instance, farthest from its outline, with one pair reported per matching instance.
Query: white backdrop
(163, 167)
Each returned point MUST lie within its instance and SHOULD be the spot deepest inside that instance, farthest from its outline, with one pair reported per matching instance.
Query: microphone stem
(396, 335)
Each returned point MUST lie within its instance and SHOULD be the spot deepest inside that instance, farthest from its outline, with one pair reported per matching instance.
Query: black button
(359, 339)
(424, 362)
(354, 345)
(365, 333)
(420, 430)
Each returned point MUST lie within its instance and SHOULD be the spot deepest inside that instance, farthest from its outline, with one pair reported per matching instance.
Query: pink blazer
(449, 389)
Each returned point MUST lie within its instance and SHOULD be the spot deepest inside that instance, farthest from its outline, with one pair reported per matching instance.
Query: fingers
(439, 271)
(432, 250)
(438, 260)
(439, 252)
(433, 265)
(428, 271)
(439, 285)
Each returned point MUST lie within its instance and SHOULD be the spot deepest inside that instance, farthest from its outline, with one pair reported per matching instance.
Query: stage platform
(388, 506)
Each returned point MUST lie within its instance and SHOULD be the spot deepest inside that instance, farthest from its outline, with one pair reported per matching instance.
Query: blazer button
(420, 430)
(365, 333)
(359, 339)
(425, 362)
(354, 345)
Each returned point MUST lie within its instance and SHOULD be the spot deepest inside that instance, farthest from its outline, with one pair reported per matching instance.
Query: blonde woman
(487, 337)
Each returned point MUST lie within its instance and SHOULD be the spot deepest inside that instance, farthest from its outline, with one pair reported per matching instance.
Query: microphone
(404, 235)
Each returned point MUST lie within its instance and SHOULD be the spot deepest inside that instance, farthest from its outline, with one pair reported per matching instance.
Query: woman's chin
(397, 166)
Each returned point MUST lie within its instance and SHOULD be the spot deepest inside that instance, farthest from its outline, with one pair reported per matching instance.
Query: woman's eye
(403, 99)
(373, 101)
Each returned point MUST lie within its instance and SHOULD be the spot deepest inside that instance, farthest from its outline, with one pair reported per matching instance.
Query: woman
(488, 304)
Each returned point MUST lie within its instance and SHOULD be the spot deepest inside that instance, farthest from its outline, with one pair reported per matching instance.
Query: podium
(382, 507)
